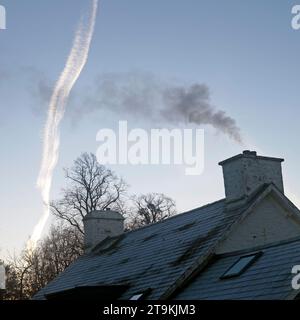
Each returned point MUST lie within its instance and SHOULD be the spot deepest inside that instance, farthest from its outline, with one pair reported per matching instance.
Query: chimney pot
(249, 153)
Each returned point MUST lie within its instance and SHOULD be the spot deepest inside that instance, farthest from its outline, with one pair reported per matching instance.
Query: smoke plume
(145, 96)
(193, 105)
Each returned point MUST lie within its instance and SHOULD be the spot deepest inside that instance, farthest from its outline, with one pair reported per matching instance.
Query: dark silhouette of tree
(32, 270)
(150, 208)
(91, 186)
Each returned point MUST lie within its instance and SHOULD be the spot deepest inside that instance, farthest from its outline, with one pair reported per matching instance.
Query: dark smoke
(33, 81)
(40, 89)
(143, 95)
(193, 104)
(138, 94)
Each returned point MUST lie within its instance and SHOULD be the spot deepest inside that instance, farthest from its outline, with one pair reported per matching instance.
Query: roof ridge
(261, 247)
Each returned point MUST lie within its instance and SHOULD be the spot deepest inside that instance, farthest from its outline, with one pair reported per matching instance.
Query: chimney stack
(99, 225)
(246, 172)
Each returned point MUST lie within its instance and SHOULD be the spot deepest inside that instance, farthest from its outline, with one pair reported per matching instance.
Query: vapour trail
(73, 68)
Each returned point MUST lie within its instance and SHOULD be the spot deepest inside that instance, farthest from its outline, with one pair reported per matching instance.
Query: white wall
(266, 224)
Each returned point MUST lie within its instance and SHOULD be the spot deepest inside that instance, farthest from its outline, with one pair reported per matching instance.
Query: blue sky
(245, 51)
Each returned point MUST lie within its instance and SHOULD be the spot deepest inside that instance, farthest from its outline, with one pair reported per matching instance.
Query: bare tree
(91, 186)
(150, 208)
(31, 271)
(12, 284)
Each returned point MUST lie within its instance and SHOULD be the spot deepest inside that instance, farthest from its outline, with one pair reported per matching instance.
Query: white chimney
(245, 173)
(99, 225)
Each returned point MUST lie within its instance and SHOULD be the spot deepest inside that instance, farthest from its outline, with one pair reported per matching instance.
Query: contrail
(73, 68)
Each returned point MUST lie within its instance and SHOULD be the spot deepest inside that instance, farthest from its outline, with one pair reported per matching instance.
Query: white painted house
(240, 247)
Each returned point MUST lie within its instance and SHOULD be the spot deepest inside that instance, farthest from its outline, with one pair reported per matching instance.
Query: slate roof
(269, 278)
(151, 257)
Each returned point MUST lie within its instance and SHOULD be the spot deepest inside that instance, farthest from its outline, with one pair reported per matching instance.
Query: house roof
(269, 278)
(150, 257)
(166, 255)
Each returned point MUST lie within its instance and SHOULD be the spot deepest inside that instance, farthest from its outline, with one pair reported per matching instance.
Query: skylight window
(241, 265)
(137, 296)
(140, 295)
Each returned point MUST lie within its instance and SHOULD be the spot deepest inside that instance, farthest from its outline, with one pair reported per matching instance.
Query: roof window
(137, 296)
(140, 295)
(241, 265)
